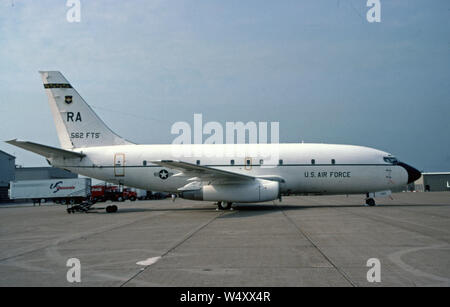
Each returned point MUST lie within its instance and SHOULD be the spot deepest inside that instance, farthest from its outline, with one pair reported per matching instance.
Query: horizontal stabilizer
(46, 151)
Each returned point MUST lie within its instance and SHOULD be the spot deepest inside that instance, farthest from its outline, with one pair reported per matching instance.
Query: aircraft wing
(202, 172)
(46, 151)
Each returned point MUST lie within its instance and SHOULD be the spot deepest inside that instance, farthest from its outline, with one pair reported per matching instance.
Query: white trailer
(64, 191)
(141, 194)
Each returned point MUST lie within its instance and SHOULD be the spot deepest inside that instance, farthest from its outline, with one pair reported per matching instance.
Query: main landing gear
(223, 205)
(370, 201)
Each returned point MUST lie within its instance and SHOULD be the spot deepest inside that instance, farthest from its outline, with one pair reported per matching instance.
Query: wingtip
(11, 141)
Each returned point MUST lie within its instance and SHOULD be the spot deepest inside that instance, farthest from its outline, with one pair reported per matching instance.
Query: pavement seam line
(318, 249)
(190, 235)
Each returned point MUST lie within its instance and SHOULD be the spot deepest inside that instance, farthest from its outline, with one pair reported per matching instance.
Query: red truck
(102, 193)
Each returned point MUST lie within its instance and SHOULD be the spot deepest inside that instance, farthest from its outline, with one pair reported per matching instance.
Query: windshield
(391, 160)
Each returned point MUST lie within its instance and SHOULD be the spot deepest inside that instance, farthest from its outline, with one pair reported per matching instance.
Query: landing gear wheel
(111, 209)
(370, 202)
(222, 205)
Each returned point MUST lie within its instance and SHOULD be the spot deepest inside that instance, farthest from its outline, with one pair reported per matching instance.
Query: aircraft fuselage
(304, 168)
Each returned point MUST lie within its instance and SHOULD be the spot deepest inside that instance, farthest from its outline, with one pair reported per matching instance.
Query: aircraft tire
(111, 209)
(223, 205)
(370, 202)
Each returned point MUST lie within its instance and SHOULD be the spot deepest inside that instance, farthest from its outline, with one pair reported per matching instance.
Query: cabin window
(248, 162)
(333, 161)
(144, 162)
(198, 162)
(313, 161)
(280, 162)
(261, 162)
(232, 162)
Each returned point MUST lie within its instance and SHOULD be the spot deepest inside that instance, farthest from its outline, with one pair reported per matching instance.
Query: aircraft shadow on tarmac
(124, 210)
(243, 210)
(246, 210)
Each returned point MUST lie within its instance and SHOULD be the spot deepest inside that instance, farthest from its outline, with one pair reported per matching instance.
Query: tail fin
(76, 123)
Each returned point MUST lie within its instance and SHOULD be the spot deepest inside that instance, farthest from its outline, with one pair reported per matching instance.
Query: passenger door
(119, 165)
(248, 163)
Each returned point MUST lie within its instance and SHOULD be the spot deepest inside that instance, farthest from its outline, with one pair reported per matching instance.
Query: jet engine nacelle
(257, 191)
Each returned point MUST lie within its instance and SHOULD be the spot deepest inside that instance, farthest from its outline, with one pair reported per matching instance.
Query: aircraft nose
(413, 174)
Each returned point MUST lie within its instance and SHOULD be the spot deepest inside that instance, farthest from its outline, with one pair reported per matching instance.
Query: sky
(317, 67)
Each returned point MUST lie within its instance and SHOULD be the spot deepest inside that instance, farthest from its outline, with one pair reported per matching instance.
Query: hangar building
(38, 173)
(9, 172)
(433, 182)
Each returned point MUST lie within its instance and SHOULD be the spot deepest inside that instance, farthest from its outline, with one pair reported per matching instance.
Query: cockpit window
(391, 160)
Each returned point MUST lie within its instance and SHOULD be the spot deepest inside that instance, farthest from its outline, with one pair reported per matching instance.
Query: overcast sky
(317, 67)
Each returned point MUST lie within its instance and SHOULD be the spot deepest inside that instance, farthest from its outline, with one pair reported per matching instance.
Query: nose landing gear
(370, 201)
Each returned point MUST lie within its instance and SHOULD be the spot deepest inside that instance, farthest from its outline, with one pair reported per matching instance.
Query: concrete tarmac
(302, 241)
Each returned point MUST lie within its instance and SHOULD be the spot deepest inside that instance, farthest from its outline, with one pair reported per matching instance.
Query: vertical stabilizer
(76, 123)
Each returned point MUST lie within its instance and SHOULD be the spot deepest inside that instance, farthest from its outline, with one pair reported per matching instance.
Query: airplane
(90, 148)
